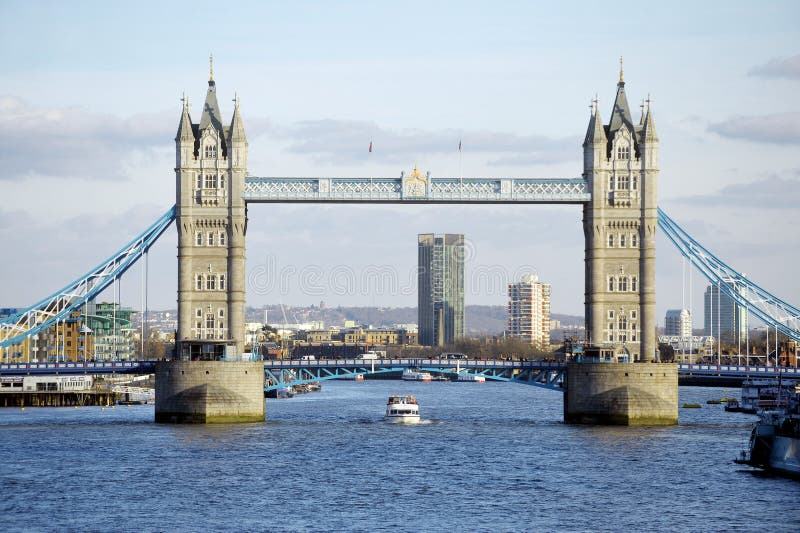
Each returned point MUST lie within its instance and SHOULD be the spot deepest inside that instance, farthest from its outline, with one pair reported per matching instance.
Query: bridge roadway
(291, 372)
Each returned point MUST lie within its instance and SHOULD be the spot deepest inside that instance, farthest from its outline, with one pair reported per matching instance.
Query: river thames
(486, 457)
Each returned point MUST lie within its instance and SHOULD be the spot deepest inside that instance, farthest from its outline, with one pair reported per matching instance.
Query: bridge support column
(203, 392)
(628, 394)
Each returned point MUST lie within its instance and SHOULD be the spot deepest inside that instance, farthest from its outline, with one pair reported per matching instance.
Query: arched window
(198, 238)
(198, 283)
(221, 312)
(634, 284)
(623, 284)
(222, 181)
(221, 284)
(622, 241)
(211, 238)
(610, 240)
(623, 152)
(211, 282)
(211, 181)
(611, 183)
(199, 181)
(623, 322)
(635, 240)
(634, 183)
(211, 150)
(622, 183)
(222, 238)
(611, 284)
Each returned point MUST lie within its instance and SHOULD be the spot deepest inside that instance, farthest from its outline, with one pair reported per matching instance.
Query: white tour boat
(476, 378)
(415, 375)
(402, 409)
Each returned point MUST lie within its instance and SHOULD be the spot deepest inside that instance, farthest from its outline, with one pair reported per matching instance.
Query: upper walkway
(417, 188)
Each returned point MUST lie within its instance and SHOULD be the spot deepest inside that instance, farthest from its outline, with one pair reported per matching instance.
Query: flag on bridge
(370, 147)
(459, 145)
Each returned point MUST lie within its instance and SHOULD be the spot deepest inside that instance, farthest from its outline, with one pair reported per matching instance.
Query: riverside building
(440, 288)
(723, 318)
(678, 323)
(529, 311)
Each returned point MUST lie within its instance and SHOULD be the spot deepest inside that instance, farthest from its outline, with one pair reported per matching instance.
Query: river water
(486, 457)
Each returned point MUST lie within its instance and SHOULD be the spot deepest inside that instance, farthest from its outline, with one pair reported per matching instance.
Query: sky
(90, 102)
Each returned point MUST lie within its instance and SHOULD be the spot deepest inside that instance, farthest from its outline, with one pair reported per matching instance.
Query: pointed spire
(236, 132)
(649, 126)
(185, 132)
(641, 117)
(211, 115)
(621, 113)
(211, 67)
(595, 133)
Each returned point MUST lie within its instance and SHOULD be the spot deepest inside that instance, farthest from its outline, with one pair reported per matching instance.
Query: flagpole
(460, 174)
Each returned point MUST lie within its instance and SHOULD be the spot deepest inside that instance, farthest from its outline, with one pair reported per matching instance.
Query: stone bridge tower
(620, 163)
(210, 170)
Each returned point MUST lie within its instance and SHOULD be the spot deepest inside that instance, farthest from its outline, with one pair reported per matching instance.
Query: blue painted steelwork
(96, 368)
(295, 372)
(277, 379)
(59, 305)
(542, 374)
(770, 309)
(737, 371)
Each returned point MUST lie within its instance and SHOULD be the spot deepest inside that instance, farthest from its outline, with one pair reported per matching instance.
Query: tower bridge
(617, 193)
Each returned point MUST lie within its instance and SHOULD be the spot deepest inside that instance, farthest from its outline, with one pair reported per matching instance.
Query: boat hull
(403, 419)
(785, 456)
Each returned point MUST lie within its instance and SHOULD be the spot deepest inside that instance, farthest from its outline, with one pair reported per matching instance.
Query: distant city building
(113, 331)
(67, 340)
(723, 318)
(678, 323)
(529, 311)
(380, 336)
(6, 312)
(440, 288)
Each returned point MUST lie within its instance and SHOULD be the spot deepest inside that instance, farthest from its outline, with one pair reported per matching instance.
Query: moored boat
(775, 440)
(402, 409)
(283, 392)
(770, 394)
(415, 375)
(475, 378)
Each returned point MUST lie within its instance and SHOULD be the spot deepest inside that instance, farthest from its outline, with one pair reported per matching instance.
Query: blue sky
(91, 97)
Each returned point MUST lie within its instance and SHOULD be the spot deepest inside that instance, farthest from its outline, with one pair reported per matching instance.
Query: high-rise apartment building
(529, 311)
(678, 323)
(440, 288)
(723, 318)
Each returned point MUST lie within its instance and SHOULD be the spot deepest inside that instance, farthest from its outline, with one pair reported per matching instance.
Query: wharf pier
(58, 398)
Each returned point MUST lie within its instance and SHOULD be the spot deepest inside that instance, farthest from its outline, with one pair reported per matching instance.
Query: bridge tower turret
(210, 169)
(621, 168)
(205, 382)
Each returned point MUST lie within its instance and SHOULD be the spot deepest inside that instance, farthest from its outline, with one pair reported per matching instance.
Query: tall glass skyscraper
(723, 317)
(440, 288)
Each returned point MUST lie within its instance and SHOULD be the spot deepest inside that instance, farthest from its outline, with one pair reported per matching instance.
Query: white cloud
(344, 141)
(778, 128)
(785, 67)
(74, 142)
(771, 193)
